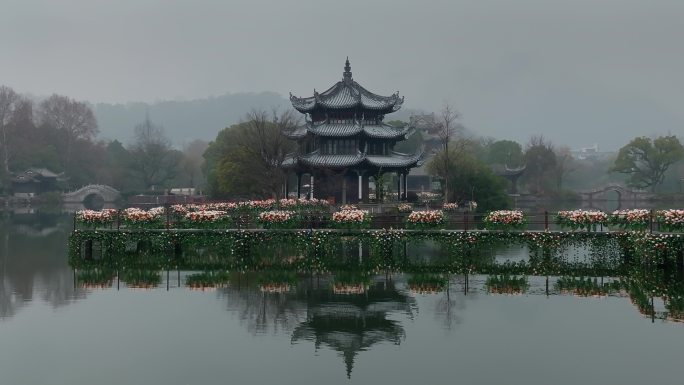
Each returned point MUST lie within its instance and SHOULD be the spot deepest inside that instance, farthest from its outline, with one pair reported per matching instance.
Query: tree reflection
(33, 246)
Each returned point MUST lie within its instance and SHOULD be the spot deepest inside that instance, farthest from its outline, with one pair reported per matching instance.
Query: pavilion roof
(347, 94)
(381, 130)
(316, 159)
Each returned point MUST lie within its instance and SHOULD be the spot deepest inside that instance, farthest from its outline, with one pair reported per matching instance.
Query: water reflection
(325, 310)
(32, 263)
(351, 322)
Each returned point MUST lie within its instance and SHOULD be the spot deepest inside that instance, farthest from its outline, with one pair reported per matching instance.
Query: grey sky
(577, 71)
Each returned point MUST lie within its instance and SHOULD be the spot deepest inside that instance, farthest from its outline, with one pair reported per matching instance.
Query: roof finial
(347, 70)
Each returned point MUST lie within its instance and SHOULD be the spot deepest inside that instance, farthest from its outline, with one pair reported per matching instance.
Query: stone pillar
(406, 186)
(398, 186)
(299, 185)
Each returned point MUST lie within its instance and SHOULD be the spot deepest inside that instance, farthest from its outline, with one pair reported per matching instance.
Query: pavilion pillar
(406, 186)
(299, 184)
(287, 190)
(360, 185)
(360, 188)
(344, 189)
(311, 187)
(365, 189)
(398, 186)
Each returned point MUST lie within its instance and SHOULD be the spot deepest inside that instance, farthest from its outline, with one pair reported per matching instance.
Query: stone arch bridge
(624, 193)
(106, 193)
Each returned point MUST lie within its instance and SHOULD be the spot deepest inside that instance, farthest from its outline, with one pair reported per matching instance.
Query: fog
(577, 71)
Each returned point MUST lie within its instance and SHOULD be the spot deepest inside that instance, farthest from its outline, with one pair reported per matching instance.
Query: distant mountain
(193, 119)
(184, 120)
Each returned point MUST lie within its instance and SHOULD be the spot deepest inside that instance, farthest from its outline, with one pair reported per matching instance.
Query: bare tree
(152, 157)
(8, 100)
(447, 132)
(565, 164)
(73, 118)
(540, 159)
(10, 104)
(192, 161)
(261, 139)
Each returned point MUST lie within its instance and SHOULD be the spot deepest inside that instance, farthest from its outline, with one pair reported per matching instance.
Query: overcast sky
(577, 71)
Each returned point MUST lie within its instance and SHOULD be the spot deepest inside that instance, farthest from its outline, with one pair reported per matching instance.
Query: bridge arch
(107, 194)
(624, 193)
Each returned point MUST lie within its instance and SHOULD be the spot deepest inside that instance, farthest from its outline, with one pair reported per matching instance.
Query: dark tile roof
(395, 159)
(315, 159)
(347, 94)
(382, 131)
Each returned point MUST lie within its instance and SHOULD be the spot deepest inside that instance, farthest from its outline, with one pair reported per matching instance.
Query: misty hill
(192, 119)
(184, 120)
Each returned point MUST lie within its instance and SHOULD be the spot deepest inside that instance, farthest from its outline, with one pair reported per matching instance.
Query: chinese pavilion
(344, 143)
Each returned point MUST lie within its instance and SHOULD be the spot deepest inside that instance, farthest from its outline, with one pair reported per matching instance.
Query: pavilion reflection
(353, 322)
(328, 310)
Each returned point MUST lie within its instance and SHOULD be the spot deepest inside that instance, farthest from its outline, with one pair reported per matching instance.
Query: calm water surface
(55, 332)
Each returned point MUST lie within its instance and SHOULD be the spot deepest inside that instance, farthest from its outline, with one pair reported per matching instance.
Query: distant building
(430, 130)
(187, 191)
(34, 181)
(345, 142)
(591, 153)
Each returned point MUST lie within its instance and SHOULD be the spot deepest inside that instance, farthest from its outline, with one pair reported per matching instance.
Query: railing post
(465, 221)
(650, 221)
(546, 220)
(167, 210)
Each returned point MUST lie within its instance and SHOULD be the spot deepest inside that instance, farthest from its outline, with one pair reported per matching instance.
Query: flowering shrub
(92, 218)
(181, 210)
(288, 203)
(404, 208)
(504, 220)
(277, 219)
(304, 205)
(450, 207)
(205, 218)
(670, 220)
(139, 218)
(351, 218)
(425, 219)
(219, 206)
(581, 219)
(637, 219)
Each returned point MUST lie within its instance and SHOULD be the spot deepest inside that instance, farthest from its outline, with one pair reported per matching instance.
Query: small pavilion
(344, 143)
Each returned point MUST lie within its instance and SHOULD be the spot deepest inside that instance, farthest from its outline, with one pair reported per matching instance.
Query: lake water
(54, 331)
